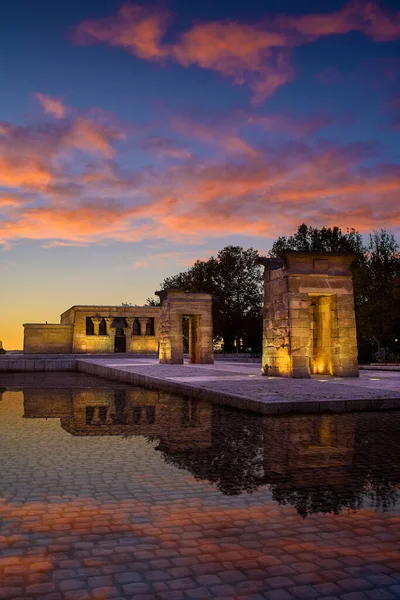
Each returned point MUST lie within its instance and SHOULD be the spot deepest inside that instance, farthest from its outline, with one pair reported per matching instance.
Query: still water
(114, 491)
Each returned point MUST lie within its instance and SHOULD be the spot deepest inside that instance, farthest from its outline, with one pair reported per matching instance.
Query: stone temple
(131, 329)
(309, 320)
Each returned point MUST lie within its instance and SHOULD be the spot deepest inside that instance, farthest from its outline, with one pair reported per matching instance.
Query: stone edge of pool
(272, 404)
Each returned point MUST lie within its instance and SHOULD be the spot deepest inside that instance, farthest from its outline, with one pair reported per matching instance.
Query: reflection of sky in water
(83, 489)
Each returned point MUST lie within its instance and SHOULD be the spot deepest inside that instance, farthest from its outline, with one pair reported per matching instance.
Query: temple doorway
(120, 339)
(321, 339)
(119, 342)
(194, 338)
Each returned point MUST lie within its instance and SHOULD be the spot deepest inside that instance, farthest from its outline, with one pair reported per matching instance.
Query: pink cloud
(52, 106)
(254, 54)
(89, 136)
(35, 157)
(50, 195)
(239, 51)
(358, 15)
(134, 27)
(225, 137)
(166, 147)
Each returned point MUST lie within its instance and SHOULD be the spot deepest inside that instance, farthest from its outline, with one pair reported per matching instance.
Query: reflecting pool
(114, 491)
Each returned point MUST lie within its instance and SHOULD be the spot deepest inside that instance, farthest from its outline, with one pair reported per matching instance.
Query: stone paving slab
(243, 386)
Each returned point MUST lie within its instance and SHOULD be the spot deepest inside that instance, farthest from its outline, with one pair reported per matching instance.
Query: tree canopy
(235, 280)
(376, 277)
(324, 239)
(377, 293)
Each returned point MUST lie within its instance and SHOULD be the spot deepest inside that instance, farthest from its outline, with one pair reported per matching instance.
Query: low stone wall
(21, 365)
(51, 338)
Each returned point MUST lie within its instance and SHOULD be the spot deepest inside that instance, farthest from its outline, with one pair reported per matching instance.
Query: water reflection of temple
(317, 463)
(309, 449)
(133, 411)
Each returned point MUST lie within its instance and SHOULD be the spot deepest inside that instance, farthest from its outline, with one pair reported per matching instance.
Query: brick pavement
(106, 517)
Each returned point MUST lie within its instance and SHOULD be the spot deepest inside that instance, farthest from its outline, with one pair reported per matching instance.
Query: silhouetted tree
(324, 239)
(234, 278)
(152, 302)
(376, 277)
(234, 460)
(377, 284)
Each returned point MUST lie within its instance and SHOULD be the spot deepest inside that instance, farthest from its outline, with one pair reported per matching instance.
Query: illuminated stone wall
(97, 343)
(71, 335)
(175, 304)
(309, 320)
(47, 338)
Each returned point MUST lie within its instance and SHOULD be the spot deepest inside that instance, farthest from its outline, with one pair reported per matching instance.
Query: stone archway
(176, 304)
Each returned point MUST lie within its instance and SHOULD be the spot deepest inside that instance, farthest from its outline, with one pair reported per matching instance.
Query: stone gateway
(176, 304)
(309, 320)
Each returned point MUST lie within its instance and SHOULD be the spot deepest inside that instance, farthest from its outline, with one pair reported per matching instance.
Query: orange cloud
(23, 173)
(225, 137)
(359, 15)
(52, 106)
(34, 158)
(134, 27)
(50, 193)
(255, 54)
(10, 201)
(82, 223)
(264, 195)
(165, 147)
(239, 51)
(89, 136)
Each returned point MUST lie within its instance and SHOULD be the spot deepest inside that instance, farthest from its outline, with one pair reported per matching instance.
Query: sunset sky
(135, 139)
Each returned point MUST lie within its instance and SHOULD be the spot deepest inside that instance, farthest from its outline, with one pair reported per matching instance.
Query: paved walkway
(243, 386)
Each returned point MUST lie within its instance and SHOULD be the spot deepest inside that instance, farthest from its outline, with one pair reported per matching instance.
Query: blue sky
(136, 139)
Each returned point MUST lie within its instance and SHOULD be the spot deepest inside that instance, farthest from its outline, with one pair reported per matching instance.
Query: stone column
(110, 332)
(96, 322)
(156, 326)
(128, 332)
(112, 339)
(108, 321)
(143, 324)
